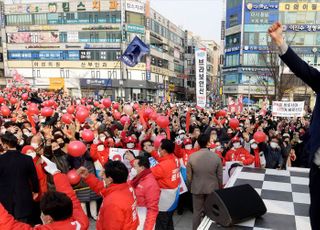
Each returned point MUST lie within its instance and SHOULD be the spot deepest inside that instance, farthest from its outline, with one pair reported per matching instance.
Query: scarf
(136, 180)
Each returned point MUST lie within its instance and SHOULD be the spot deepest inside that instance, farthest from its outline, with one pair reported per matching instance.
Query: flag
(134, 52)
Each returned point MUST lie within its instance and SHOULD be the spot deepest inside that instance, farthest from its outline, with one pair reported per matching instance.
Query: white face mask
(32, 154)
(130, 145)
(100, 148)
(133, 172)
(254, 146)
(189, 146)
(102, 138)
(21, 142)
(182, 136)
(236, 145)
(117, 140)
(274, 145)
(139, 128)
(34, 145)
(218, 148)
(28, 134)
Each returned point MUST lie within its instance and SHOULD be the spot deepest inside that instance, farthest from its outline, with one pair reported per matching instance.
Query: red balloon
(46, 112)
(13, 100)
(82, 115)
(222, 113)
(154, 116)
(96, 103)
(136, 106)
(5, 111)
(25, 96)
(33, 109)
(147, 113)
(157, 141)
(127, 109)
(1, 100)
(73, 177)
(234, 123)
(76, 148)
(124, 120)
(67, 118)
(260, 137)
(83, 100)
(116, 105)
(87, 135)
(117, 115)
(46, 104)
(51, 102)
(106, 102)
(163, 121)
(70, 109)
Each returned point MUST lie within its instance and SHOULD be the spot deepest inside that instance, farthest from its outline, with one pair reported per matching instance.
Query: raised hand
(276, 33)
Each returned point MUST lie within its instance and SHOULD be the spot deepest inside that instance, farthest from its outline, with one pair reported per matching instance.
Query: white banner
(135, 6)
(116, 154)
(287, 108)
(201, 77)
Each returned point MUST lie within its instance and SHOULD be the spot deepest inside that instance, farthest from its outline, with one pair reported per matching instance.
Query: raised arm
(300, 68)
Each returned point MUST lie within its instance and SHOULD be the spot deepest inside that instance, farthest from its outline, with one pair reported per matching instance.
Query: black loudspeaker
(235, 204)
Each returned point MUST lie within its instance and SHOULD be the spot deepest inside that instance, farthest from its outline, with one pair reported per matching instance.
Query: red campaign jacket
(148, 195)
(223, 161)
(78, 221)
(102, 156)
(167, 171)
(42, 177)
(118, 209)
(184, 154)
(240, 154)
(257, 162)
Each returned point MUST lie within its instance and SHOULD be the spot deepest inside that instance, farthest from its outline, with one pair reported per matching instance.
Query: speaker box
(235, 204)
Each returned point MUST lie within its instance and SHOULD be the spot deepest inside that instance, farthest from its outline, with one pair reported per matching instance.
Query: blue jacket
(311, 77)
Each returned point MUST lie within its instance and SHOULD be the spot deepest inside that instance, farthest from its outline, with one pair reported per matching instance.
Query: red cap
(213, 145)
(130, 139)
(187, 141)
(235, 139)
(26, 148)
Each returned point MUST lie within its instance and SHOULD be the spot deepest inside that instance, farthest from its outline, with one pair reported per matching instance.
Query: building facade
(249, 68)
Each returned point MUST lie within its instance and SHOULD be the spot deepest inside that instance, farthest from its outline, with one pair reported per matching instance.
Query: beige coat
(204, 172)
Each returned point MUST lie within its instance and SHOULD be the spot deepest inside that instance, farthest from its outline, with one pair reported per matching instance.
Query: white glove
(51, 167)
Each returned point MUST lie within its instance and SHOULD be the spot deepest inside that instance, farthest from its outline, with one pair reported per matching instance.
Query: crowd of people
(139, 188)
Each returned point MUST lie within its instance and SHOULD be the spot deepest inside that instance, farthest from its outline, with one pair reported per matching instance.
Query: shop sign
(201, 79)
(56, 83)
(135, 29)
(135, 6)
(87, 82)
(303, 27)
(299, 6)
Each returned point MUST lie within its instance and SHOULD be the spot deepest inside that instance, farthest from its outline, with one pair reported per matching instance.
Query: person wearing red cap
(239, 153)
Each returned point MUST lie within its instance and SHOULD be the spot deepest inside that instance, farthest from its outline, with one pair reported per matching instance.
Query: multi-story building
(213, 52)
(76, 45)
(246, 43)
(249, 68)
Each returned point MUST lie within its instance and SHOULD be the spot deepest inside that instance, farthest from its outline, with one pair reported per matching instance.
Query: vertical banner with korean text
(201, 77)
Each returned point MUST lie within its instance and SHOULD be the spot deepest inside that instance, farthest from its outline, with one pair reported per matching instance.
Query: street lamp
(249, 93)
(121, 88)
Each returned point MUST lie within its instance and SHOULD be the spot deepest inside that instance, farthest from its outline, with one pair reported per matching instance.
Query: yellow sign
(72, 64)
(299, 6)
(56, 83)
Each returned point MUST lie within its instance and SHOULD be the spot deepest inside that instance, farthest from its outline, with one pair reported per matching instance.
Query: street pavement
(183, 222)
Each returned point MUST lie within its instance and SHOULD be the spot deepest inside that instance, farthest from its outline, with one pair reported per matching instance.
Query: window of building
(135, 18)
(143, 76)
(40, 19)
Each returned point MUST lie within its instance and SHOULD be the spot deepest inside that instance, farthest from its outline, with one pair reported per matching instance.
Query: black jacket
(18, 179)
(311, 77)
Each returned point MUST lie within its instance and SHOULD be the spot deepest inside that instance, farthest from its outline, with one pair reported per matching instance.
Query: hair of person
(9, 139)
(56, 204)
(145, 141)
(143, 161)
(130, 151)
(167, 145)
(203, 140)
(117, 171)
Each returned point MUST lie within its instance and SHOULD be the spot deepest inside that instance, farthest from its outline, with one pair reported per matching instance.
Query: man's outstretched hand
(275, 32)
(83, 172)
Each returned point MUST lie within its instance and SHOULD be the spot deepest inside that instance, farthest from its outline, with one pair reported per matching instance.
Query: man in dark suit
(311, 77)
(204, 175)
(18, 180)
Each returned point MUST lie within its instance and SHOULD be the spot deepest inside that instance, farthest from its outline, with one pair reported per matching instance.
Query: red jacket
(240, 154)
(184, 154)
(223, 161)
(118, 209)
(78, 221)
(42, 177)
(257, 162)
(167, 172)
(148, 195)
(102, 156)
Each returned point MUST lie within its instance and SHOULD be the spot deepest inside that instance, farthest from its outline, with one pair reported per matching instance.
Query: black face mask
(57, 152)
(61, 145)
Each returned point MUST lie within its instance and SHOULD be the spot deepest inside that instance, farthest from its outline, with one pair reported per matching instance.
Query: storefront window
(135, 18)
